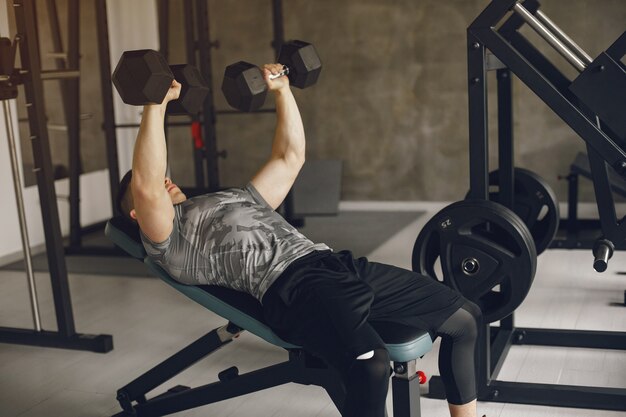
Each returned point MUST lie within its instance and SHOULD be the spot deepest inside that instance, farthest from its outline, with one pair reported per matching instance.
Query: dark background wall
(391, 101)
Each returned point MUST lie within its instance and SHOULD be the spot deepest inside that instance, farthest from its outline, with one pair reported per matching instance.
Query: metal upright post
(31, 76)
(479, 171)
(108, 114)
(33, 87)
(277, 23)
(191, 47)
(72, 117)
(506, 152)
(277, 43)
(70, 93)
(505, 139)
(162, 14)
(163, 29)
(478, 132)
(17, 183)
(208, 110)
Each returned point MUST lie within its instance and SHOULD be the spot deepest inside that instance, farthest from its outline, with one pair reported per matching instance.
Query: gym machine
(32, 77)
(485, 248)
(67, 60)
(580, 233)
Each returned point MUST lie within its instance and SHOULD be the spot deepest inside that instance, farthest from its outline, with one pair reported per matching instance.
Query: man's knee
(464, 323)
(476, 316)
(474, 310)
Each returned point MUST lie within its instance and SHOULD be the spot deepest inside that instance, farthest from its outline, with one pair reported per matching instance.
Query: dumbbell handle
(285, 71)
(602, 252)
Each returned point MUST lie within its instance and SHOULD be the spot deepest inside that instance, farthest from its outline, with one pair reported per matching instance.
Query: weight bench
(243, 312)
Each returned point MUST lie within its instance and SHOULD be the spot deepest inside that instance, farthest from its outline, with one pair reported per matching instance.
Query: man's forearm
(289, 140)
(150, 154)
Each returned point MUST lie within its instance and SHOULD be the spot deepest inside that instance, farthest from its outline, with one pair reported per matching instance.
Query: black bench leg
(406, 390)
(175, 364)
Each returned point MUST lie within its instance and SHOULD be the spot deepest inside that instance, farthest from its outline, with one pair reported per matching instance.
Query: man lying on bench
(311, 296)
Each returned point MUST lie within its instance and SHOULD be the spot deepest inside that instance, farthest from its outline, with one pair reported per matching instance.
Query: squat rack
(589, 105)
(32, 76)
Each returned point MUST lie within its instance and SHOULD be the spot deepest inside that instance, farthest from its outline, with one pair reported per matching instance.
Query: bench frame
(300, 366)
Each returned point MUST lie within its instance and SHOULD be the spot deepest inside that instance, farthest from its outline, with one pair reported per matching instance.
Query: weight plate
(486, 252)
(535, 203)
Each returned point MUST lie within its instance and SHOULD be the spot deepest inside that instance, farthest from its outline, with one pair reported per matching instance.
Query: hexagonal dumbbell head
(142, 77)
(193, 91)
(244, 86)
(303, 62)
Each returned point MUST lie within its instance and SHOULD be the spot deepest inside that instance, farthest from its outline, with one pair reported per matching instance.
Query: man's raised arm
(154, 210)
(276, 177)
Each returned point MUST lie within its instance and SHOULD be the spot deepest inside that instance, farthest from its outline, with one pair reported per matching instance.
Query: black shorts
(326, 301)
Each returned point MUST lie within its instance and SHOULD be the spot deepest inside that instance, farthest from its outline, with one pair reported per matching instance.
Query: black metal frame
(198, 47)
(516, 55)
(300, 368)
(108, 125)
(70, 97)
(288, 206)
(32, 77)
(577, 233)
(71, 105)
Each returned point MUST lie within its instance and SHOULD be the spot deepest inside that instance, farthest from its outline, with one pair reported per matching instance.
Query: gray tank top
(231, 238)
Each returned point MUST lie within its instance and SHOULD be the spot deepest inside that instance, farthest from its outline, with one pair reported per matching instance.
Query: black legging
(367, 380)
(366, 384)
(457, 353)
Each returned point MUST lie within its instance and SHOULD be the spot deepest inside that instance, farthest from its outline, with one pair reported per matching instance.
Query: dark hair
(124, 202)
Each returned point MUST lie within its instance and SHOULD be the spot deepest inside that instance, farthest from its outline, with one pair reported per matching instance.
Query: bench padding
(403, 343)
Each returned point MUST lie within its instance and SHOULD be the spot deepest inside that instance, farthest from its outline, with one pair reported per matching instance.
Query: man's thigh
(404, 296)
(330, 321)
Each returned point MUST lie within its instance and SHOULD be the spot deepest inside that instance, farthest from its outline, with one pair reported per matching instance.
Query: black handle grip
(602, 251)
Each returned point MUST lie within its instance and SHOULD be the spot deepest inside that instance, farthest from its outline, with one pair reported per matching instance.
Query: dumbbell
(144, 77)
(244, 86)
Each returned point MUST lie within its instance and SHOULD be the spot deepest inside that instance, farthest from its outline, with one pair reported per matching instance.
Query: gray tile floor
(149, 321)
